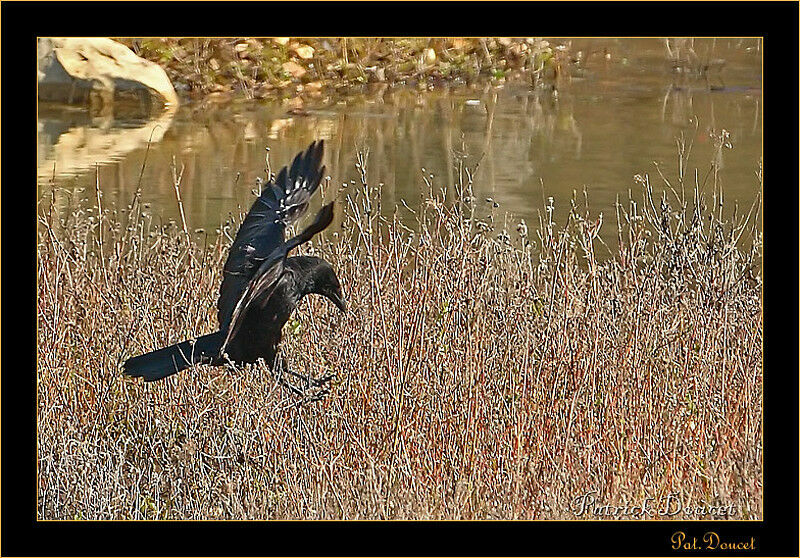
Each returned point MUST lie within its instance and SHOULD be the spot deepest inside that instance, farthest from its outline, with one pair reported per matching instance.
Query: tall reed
(485, 369)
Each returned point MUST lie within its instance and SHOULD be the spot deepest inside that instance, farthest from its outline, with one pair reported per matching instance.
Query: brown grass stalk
(481, 373)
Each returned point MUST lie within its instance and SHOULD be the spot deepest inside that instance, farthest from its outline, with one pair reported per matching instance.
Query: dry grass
(484, 371)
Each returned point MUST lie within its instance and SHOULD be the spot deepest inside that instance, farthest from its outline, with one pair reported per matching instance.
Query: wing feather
(264, 281)
(261, 288)
(282, 202)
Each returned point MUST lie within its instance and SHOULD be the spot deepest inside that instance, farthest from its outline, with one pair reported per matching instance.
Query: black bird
(261, 285)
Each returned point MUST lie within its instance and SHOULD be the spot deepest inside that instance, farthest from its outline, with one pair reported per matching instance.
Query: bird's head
(319, 278)
(330, 287)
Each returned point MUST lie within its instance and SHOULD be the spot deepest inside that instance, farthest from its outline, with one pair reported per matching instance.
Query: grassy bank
(486, 368)
(310, 67)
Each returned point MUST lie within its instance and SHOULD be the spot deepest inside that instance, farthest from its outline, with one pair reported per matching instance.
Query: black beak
(335, 296)
(339, 302)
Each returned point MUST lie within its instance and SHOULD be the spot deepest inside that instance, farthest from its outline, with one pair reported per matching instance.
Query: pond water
(620, 109)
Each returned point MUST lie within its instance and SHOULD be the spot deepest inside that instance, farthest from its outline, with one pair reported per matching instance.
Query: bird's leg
(281, 368)
(309, 381)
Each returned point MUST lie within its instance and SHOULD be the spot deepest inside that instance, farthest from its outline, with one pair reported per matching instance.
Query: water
(621, 109)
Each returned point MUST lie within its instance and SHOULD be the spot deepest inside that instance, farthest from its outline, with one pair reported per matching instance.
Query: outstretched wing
(282, 202)
(262, 285)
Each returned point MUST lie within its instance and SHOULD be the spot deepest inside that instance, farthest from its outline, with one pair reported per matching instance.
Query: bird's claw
(324, 380)
(313, 389)
(322, 385)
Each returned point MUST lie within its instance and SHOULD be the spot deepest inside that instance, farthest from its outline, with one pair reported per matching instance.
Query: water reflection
(622, 110)
(72, 142)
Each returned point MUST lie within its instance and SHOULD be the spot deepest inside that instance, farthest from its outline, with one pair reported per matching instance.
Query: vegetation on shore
(309, 67)
(486, 368)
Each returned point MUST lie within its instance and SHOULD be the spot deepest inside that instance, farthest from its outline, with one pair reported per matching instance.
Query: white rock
(94, 70)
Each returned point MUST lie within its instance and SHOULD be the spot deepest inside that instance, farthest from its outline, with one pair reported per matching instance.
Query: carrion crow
(261, 285)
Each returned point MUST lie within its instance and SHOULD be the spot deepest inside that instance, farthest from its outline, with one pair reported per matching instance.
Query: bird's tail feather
(164, 362)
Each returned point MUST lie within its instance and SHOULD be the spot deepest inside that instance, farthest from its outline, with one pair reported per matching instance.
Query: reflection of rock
(76, 146)
(94, 71)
